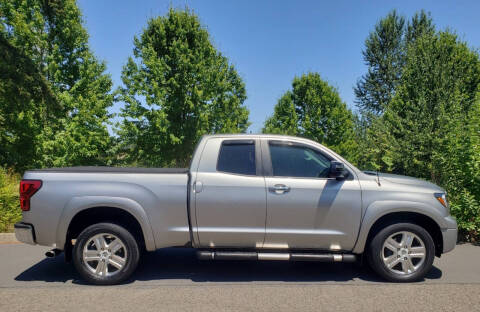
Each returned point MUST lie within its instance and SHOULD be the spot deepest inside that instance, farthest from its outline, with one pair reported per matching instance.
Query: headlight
(442, 198)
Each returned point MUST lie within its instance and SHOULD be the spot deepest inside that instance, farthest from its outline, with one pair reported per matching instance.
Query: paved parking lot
(174, 280)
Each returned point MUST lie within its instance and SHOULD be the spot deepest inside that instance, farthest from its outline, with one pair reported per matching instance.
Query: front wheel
(105, 254)
(402, 252)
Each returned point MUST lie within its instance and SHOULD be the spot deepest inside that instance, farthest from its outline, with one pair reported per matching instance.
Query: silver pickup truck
(252, 197)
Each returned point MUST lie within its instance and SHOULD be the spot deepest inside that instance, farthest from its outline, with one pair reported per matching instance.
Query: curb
(8, 238)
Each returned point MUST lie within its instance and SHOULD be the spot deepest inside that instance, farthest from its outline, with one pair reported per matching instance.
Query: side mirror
(337, 170)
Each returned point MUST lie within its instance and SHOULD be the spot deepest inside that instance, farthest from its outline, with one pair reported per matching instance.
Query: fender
(80, 203)
(378, 209)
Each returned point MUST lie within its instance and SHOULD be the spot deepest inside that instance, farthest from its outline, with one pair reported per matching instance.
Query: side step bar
(244, 255)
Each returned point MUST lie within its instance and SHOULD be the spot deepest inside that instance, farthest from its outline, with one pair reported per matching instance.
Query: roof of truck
(256, 135)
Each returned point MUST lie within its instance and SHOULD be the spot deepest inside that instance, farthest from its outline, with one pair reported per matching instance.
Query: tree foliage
(284, 119)
(431, 127)
(384, 56)
(313, 109)
(54, 94)
(177, 88)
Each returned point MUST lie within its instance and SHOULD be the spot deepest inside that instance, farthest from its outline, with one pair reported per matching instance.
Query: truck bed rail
(99, 169)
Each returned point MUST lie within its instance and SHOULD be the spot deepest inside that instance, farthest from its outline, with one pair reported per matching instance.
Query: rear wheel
(402, 252)
(105, 254)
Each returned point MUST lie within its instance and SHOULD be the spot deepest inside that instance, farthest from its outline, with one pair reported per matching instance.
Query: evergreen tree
(431, 128)
(384, 56)
(177, 88)
(313, 109)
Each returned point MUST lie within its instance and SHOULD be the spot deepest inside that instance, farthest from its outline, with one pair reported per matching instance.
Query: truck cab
(273, 193)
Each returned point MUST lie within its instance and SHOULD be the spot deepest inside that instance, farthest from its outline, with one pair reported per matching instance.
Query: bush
(9, 200)
(466, 210)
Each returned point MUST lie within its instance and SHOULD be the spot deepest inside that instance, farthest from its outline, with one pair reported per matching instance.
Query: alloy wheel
(403, 253)
(104, 254)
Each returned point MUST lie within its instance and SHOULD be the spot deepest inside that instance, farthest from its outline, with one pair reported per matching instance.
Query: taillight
(27, 189)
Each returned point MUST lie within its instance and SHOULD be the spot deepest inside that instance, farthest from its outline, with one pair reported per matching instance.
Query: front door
(230, 199)
(305, 208)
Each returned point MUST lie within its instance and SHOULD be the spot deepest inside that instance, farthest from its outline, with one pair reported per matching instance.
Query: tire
(390, 256)
(120, 253)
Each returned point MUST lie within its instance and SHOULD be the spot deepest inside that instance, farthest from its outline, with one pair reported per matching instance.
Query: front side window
(298, 161)
(237, 157)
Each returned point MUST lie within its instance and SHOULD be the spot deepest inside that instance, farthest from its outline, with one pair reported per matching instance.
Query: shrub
(466, 210)
(9, 200)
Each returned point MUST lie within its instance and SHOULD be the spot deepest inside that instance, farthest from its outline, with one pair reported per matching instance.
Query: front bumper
(449, 235)
(25, 233)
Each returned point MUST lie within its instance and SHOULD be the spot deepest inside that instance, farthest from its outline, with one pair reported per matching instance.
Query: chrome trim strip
(273, 256)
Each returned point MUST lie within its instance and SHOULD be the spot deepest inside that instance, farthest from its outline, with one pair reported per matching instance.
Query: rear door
(305, 208)
(230, 194)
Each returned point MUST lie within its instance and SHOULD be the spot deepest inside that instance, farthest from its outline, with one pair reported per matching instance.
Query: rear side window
(237, 157)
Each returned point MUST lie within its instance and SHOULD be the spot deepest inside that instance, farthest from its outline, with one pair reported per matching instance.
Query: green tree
(80, 136)
(27, 104)
(420, 25)
(384, 56)
(284, 119)
(177, 88)
(431, 128)
(54, 93)
(313, 109)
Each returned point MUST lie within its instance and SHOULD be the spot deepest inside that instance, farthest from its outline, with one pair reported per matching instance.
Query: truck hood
(400, 179)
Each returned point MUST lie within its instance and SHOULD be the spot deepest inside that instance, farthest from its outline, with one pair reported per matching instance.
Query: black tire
(131, 254)
(375, 253)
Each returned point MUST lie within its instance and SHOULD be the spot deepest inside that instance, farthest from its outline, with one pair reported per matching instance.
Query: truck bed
(156, 197)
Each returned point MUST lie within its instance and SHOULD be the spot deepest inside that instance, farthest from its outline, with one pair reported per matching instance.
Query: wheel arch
(84, 211)
(379, 216)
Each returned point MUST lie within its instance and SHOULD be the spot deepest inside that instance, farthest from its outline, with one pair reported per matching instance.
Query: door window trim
(267, 160)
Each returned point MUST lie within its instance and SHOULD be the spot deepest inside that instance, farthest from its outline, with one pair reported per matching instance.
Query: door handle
(279, 189)
(198, 187)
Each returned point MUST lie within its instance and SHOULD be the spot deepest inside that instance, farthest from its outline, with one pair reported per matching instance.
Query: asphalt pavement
(174, 280)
